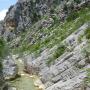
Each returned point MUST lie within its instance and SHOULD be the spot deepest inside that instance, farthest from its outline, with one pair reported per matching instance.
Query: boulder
(10, 69)
(81, 63)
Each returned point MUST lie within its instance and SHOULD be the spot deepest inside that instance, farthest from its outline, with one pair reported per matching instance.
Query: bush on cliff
(87, 33)
(3, 51)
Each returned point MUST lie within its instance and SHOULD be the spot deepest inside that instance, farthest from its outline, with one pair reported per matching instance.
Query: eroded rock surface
(10, 69)
(65, 73)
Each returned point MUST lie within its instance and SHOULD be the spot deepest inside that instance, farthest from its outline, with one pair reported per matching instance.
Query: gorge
(45, 45)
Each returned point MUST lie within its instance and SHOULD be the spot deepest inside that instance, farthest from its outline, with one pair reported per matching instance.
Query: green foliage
(65, 7)
(2, 48)
(3, 51)
(80, 38)
(72, 16)
(87, 80)
(87, 33)
(55, 18)
(60, 50)
(86, 52)
(52, 10)
(31, 48)
(77, 1)
(35, 17)
(49, 61)
(56, 2)
(54, 34)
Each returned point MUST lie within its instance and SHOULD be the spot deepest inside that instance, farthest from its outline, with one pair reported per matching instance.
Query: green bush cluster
(54, 34)
(3, 51)
(55, 18)
(77, 1)
(87, 80)
(87, 33)
(72, 16)
(59, 51)
(2, 48)
(80, 38)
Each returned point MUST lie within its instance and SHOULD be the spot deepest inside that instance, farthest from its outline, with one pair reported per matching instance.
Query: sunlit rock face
(65, 73)
(24, 14)
(27, 12)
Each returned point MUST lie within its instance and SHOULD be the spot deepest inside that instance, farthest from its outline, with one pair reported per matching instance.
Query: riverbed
(25, 81)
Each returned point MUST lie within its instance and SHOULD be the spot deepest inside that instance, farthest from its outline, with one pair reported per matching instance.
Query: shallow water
(25, 82)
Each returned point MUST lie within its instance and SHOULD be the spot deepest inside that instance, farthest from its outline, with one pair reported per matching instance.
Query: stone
(82, 63)
(47, 23)
(88, 88)
(10, 69)
(48, 84)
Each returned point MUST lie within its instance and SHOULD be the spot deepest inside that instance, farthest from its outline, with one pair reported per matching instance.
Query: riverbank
(25, 81)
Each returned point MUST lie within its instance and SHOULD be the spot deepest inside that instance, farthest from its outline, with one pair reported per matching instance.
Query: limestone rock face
(10, 69)
(65, 73)
(25, 13)
(1, 28)
(2, 81)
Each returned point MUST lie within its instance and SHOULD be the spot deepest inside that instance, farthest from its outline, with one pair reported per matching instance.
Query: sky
(4, 5)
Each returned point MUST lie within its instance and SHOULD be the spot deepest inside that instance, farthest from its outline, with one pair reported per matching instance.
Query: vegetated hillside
(52, 38)
(3, 53)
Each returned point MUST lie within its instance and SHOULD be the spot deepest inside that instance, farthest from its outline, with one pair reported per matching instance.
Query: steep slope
(53, 39)
(25, 13)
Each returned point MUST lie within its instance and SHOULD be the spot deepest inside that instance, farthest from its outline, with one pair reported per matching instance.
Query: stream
(26, 81)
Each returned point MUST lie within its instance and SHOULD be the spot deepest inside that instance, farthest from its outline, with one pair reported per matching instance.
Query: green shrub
(52, 10)
(2, 48)
(60, 50)
(55, 18)
(65, 7)
(3, 51)
(56, 33)
(49, 61)
(77, 1)
(87, 33)
(87, 80)
(80, 38)
(72, 16)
